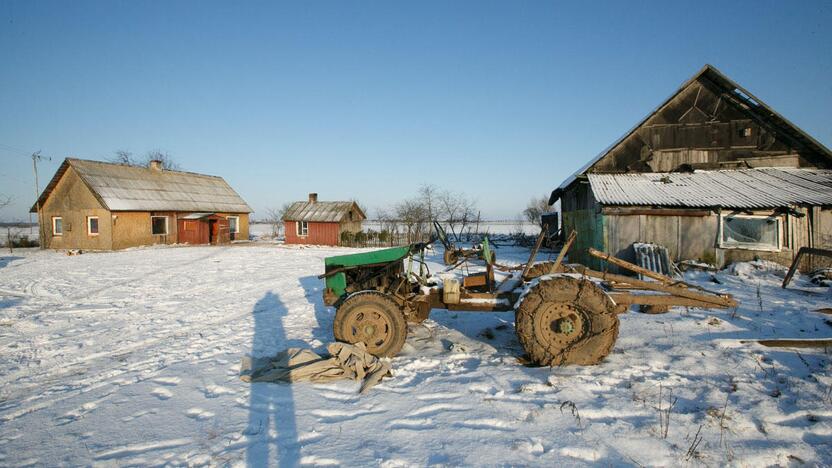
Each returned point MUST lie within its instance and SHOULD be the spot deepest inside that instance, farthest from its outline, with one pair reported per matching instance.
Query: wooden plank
(609, 210)
(793, 343)
(563, 251)
(628, 299)
(533, 253)
(796, 261)
(632, 267)
(712, 299)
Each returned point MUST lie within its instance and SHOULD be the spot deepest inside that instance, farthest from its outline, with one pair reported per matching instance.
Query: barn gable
(710, 123)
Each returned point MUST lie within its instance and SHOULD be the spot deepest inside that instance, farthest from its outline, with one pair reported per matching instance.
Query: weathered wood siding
(73, 201)
(702, 129)
(318, 234)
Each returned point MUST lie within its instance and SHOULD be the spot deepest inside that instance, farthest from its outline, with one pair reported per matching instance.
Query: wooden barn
(321, 222)
(94, 205)
(713, 174)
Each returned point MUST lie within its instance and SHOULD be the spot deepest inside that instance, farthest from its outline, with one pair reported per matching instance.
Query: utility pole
(41, 233)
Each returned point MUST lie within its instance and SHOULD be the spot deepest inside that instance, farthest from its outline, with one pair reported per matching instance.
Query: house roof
(743, 188)
(321, 211)
(129, 188)
(753, 106)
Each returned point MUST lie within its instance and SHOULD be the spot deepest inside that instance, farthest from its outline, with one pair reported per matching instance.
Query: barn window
(159, 225)
(57, 226)
(92, 225)
(750, 232)
(303, 228)
(234, 224)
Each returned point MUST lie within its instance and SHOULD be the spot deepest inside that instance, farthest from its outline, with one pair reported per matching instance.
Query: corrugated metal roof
(322, 212)
(130, 188)
(744, 188)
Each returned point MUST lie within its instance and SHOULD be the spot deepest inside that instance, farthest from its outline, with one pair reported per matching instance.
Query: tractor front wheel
(374, 319)
(564, 320)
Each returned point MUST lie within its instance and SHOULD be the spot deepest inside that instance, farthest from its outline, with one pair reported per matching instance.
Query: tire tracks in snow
(166, 347)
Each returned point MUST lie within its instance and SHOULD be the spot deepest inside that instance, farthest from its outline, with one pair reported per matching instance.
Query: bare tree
(429, 195)
(274, 216)
(536, 208)
(5, 201)
(414, 218)
(124, 157)
(456, 210)
(128, 159)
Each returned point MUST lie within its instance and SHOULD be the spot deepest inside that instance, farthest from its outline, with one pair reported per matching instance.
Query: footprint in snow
(198, 414)
(161, 393)
(167, 381)
(438, 396)
(214, 391)
(411, 424)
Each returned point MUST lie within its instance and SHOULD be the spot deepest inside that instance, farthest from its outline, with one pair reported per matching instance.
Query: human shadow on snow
(6, 260)
(272, 426)
(313, 290)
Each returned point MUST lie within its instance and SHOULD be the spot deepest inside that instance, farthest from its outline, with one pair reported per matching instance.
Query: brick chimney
(313, 197)
(155, 165)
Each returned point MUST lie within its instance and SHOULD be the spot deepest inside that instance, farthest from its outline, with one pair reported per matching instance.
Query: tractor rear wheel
(565, 320)
(374, 319)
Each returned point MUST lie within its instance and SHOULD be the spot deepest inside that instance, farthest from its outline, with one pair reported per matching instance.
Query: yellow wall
(73, 201)
(133, 228)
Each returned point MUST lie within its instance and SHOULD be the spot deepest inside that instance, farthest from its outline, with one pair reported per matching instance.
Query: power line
(12, 149)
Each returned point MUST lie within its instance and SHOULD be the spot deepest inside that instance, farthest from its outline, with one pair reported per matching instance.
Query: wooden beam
(796, 261)
(621, 211)
(713, 300)
(628, 299)
(794, 343)
(533, 253)
(632, 267)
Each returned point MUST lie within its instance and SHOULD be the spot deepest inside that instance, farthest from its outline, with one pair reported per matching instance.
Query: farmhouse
(713, 174)
(95, 205)
(321, 223)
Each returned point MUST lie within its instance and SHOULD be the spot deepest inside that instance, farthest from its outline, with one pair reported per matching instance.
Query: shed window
(92, 225)
(159, 225)
(303, 228)
(750, 232)
(234, 224)
(57, 226)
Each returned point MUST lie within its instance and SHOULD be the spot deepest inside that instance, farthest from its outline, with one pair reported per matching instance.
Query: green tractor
(564, 314)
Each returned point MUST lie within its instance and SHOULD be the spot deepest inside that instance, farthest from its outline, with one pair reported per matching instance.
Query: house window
(234, 224)
(92, 225)
(57, 226)
(750, 232)
(303, 228)
(159, 225)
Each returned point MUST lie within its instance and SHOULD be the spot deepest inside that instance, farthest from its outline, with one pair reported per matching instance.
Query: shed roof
(129, 188)
(743, 188)
(321, 211)
(752, 105)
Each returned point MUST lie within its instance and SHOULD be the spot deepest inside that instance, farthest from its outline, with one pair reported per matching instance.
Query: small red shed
(321, 222)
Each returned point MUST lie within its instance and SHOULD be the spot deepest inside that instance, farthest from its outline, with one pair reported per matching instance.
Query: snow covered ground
(132, 358)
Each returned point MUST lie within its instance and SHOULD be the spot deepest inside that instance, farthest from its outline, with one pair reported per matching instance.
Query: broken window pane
(750, 232)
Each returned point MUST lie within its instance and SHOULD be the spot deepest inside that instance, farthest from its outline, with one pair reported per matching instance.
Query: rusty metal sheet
(743, 188)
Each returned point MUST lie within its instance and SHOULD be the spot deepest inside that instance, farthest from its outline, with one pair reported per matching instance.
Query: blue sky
(369, 100)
